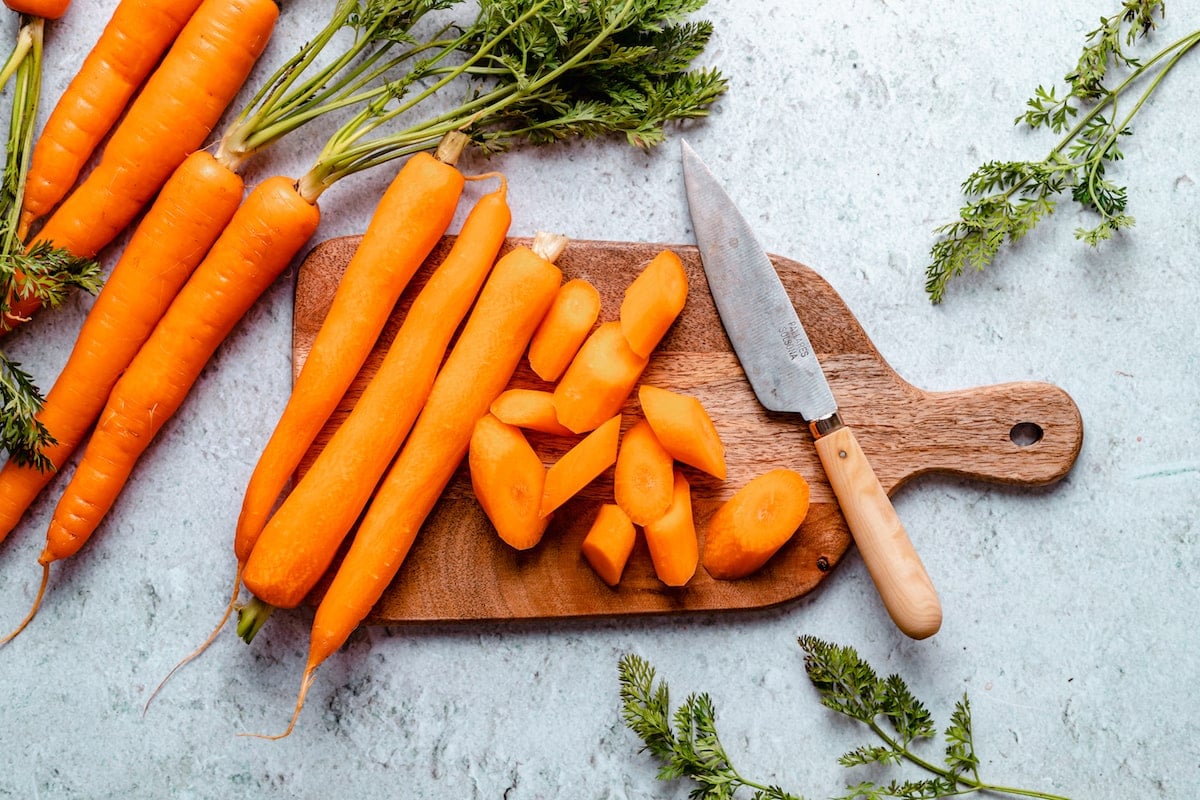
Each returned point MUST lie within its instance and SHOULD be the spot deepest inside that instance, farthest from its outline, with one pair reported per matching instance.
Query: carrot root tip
(37, 603)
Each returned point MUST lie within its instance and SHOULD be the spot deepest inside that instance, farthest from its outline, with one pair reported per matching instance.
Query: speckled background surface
(845, 135)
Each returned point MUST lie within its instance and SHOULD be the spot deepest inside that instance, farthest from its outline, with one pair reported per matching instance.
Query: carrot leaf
(539, 72)
(46, 272)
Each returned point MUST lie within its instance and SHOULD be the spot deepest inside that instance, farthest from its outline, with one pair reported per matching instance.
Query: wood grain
(460, 570)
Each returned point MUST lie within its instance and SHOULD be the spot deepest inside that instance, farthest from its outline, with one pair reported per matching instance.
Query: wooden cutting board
(1023, 433)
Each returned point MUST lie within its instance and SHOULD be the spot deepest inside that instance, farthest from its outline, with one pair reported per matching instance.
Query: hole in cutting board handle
(1025, 434)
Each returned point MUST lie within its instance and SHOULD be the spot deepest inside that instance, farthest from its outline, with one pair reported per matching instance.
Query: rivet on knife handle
(893, 563)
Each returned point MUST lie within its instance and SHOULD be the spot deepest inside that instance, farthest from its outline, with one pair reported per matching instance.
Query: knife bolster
(825, 425)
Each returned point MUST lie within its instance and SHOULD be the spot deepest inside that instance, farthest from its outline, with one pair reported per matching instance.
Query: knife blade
(779, 362)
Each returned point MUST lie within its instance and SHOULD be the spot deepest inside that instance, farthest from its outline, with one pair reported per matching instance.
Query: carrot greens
(1008, 198)
(687, 745)
(45, 272)
(537, 72)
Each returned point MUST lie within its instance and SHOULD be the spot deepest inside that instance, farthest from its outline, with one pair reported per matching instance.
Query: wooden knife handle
(893, 563)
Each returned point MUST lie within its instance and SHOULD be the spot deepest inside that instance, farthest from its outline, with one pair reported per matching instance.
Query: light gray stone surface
(1070, 610)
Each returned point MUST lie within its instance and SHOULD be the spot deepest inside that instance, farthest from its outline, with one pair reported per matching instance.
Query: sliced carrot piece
(653, 301)
(581, 465)
(532, 409)
(568, 322)
(599, 379)
(609, 542)
(508, 478)
(751, 526)
(685, 429)
(644, 477)
(674, 548)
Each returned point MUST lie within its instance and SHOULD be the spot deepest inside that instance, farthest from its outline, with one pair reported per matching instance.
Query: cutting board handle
(1025, 433)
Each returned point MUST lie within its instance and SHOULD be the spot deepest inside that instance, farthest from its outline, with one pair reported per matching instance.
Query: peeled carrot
(751, 526)
(643, 479)
(685, 429)
(131, 44)
(531, 409)
(653, 301)
(493, 341)
(266, 232)
(508, 478)
(609, 543)
(567, 324)
(46, 9)
(581, 465)
(170, 118)
(599, 379)
(186, 218)
(408, 222)
(674, 548)
(301, 538)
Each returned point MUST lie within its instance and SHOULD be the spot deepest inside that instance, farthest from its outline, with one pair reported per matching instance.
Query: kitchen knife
(785, 374)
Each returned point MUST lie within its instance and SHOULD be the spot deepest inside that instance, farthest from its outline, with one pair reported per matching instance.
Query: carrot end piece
(37, 603)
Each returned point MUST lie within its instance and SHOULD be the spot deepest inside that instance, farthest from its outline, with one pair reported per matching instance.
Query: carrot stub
(643, 479)
(301, 538)
(609, 542)
(581, 465)
(531, 409)
(653, 301)
(508, 479)
(684, 427)
(674, 548)
(493, 341)
(599, 379)
(567, 324)
(751, 526)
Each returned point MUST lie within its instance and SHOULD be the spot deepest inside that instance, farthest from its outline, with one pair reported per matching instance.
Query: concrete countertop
(1069, 610)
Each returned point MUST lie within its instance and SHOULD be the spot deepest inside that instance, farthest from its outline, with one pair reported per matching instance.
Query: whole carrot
(493, 340)
(410, 219)
(170, 118)
(301, 539)
(180, 227)
(131, 44)
(264, 235)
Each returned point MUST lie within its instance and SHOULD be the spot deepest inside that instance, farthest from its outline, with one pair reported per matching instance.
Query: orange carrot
(581, 465)
(170, 118)
(653, 301)
(751, 526)
(566, 325)
(508, 478)
(599, 379)
(186, 218)
(674, 548)
(643, 480)
(132, 43)
(532, 409)
(301, 538)
(46, 9)
(409, 220)
(685, 429)
(493, 341)
(609, 542)
(264, 235)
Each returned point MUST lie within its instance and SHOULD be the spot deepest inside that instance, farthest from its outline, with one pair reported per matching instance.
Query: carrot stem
(251, 618)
